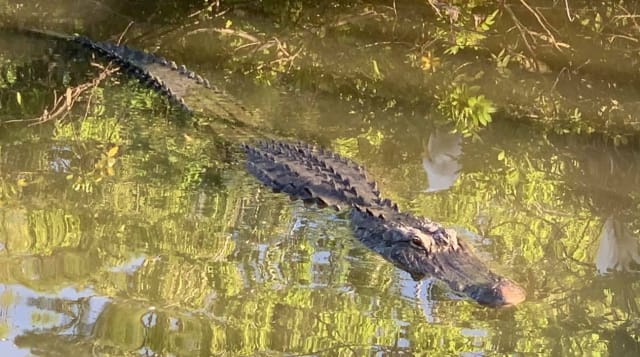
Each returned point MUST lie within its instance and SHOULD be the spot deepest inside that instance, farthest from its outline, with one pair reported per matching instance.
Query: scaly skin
(414, 244)
(179, 85)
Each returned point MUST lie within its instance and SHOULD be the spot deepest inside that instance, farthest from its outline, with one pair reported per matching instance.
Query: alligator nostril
(509, 292)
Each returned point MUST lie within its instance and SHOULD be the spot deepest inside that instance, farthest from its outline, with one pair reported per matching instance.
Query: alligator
(414, 244)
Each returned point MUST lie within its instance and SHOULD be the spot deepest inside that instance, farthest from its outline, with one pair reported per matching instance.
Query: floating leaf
(112, 152)
(376, 70)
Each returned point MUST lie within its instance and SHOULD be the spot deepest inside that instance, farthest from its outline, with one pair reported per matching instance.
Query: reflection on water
(617, 249)
(440, 160)
(147, 266)
(175, 250)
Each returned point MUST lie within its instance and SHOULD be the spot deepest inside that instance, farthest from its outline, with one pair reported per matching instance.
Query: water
(129, 228)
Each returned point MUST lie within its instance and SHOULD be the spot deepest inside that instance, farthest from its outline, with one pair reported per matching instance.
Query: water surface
(132, 228)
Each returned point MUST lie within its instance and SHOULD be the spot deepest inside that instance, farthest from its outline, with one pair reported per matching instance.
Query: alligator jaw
(503, 293)
(462, 271)
(423, 249)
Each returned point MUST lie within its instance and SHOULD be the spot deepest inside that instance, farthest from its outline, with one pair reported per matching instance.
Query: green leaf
(112, 152)
(376, 70)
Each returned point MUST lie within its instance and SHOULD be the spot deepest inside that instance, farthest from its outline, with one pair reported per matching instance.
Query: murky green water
(130, 228)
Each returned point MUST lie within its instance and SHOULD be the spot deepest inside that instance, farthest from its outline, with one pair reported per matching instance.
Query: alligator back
(311, 174)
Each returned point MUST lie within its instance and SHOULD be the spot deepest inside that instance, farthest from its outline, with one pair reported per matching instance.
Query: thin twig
(541, 22)
(246, 45)
(238, 33)
(566, 7)
(630, 16)
(386, 43)
(520, 28)
(352, 18)
(206, 8)
(624, 37)
(124, 32)
(62, 105)
(555, 83)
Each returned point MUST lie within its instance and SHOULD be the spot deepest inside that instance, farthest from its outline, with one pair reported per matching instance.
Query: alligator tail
(174, 82)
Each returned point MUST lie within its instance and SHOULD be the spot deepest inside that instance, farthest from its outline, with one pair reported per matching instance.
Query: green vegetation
(128, 227)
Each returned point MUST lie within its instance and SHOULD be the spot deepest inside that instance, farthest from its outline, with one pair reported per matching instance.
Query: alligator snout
(503, 293)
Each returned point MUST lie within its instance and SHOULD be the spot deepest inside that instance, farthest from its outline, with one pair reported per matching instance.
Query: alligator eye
(417, 242)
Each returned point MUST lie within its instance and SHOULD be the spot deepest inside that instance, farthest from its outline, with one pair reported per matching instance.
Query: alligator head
(423, 248)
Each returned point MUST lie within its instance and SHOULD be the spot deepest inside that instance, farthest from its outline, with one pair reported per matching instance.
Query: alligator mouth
(501, 294)
(464, 273)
